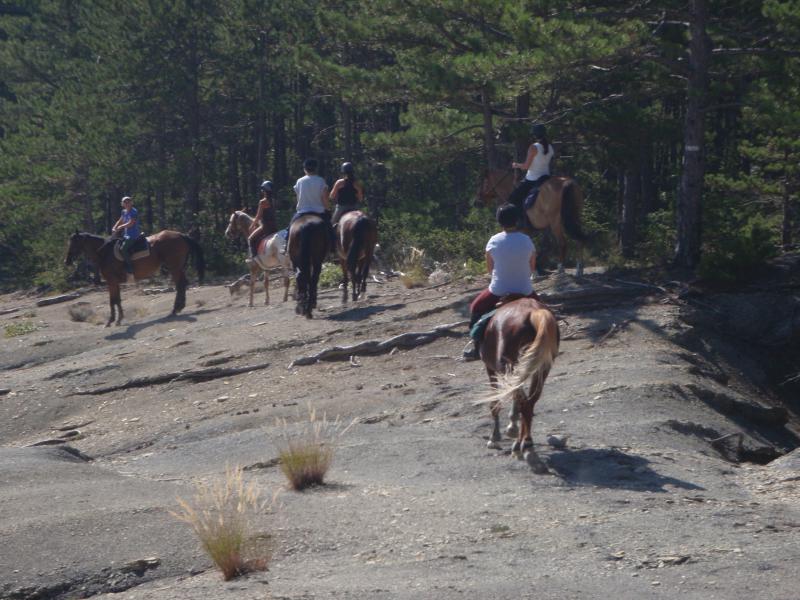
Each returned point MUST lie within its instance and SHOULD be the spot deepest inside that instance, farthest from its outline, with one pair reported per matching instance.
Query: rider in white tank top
(540, 165)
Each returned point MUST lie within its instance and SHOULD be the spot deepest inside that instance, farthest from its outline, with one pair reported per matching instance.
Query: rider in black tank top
(346, 192)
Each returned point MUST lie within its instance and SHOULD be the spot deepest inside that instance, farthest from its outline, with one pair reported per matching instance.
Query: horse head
(495, 185)
(233, 226)
(73, 249)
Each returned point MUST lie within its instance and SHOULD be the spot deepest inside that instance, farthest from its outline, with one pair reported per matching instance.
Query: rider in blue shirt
(128, 223)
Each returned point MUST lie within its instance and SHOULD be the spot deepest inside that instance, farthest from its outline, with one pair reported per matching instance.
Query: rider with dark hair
(511, 259)
(312, 196)
(128, 223)
(537, 165)
(347, 192)
(264, 222)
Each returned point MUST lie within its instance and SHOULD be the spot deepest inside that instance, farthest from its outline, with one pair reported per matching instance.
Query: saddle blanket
(477, 331)
(140, 249)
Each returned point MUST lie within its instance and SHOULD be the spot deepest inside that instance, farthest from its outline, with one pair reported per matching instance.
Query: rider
(511, 259)
(346, 192)
(264, 223)
(128, 222)
(312, 195)
(537, 165)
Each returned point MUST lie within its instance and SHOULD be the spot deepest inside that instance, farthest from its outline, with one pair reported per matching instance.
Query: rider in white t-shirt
(511, 259)
(537, 167)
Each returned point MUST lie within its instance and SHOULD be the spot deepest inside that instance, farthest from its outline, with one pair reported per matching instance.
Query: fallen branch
(57, 299)
(370, 347)
(193, 376)
(8, 311)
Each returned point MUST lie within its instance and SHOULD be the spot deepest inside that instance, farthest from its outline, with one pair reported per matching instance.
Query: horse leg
(494, 407)
(345, 280)
(253, 275)
(113, 300)
(513, 418)
(180, 293)
(561, 238)
(285, 270)
(266, 288)
(312, 291)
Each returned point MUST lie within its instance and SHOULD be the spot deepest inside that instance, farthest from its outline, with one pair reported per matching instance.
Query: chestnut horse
(355, 244)
(168, 248)
(269, 254)
(308, 245)
(518, 349)
(558, 207)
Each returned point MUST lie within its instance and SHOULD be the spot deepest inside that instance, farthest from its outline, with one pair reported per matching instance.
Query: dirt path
(639, 504)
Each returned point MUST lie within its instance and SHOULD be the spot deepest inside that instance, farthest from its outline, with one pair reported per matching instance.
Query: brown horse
(558, 207)
(355, 243)
(269, 254)
(168, 248)
(518, 348)
(308, 245)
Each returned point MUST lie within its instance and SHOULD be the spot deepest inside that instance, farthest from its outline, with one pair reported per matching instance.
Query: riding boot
(251, 252)
(471, 351)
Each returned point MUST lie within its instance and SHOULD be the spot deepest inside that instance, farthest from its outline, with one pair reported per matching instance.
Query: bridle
(496, 183)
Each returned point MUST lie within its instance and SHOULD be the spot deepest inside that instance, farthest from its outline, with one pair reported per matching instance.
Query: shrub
(735, 254)
(306, 456)
(412, 269)
(222, 514)
(331, 275)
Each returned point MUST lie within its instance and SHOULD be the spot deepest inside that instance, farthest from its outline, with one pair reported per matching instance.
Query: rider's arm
(527, 164)
(335, 191)
(489, 263)
(257, 220)
(325, 198)
(359, 192)
(117, 224)
(533, 263)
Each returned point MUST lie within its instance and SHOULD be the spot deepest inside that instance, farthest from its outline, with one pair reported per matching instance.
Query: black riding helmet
(266, 186)
(538, 130)
(347, 169)
(508, 215)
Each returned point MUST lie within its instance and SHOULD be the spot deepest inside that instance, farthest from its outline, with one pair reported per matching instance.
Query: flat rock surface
(637, 503)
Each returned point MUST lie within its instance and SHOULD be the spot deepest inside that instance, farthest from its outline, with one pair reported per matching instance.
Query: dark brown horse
(308, 245)
(518, 350)
(558, 207)
(168, 248)
(355, 244)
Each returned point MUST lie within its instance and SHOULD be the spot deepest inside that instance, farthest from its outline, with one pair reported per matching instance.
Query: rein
(499, 181)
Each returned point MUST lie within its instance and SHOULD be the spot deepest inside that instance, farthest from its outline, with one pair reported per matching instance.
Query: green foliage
(735, 254)
(331, 275)
(20, 328)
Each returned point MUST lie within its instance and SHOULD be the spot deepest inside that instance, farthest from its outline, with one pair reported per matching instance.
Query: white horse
(269, 254)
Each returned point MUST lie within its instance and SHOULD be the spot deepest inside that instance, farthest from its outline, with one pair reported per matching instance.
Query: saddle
(139, 249)
(477, 331)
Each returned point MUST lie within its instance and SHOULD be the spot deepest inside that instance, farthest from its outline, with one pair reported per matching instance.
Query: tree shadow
(611, 468)
(362, 312)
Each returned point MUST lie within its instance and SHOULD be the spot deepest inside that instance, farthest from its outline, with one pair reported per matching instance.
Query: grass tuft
(412, 271)
(222, 514)
(307, 455)
(21, 328)
(81, 312)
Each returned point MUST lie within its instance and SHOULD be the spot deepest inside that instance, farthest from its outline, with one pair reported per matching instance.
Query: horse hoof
(515, 447)
(512, 430)
(493, 445)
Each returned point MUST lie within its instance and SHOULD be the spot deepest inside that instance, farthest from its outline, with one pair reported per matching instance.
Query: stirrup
(471, 352)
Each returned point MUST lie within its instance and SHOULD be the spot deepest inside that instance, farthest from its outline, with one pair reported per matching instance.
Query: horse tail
(359, 235)
(535, 361)
(571, 207)
(305, 250)
(199, 259)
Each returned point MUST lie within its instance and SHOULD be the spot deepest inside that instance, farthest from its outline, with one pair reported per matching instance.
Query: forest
(680, 119)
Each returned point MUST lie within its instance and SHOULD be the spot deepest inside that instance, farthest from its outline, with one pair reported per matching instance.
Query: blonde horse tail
(571, 208)
(535, 361)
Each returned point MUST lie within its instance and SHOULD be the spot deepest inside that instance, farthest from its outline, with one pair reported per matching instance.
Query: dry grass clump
(307, 455)
(222, 514)
(412, 271)
(81, 312)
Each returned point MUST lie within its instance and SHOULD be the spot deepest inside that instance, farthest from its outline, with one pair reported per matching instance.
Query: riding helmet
(347, 168)
(125, 199)
(266, 186)
(538, 130)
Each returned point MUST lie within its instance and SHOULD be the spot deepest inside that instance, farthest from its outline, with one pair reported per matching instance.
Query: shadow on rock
(611, 468)
(362, 312)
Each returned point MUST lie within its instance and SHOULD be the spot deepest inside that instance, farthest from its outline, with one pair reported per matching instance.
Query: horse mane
(91, 236)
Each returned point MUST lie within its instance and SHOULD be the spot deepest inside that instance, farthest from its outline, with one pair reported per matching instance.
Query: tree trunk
(347, 128)
(630, 196)
(523, 111)
(488, 130)
(689, 208)
(234, 191)
(280, 172)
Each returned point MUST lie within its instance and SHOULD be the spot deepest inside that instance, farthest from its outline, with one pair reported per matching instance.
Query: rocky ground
(677, 478)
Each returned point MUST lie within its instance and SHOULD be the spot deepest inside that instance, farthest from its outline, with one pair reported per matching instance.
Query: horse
(308, 245)
(355, 244)
(167, 248)
(518, 348)
(558, 207)
(269, 254)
